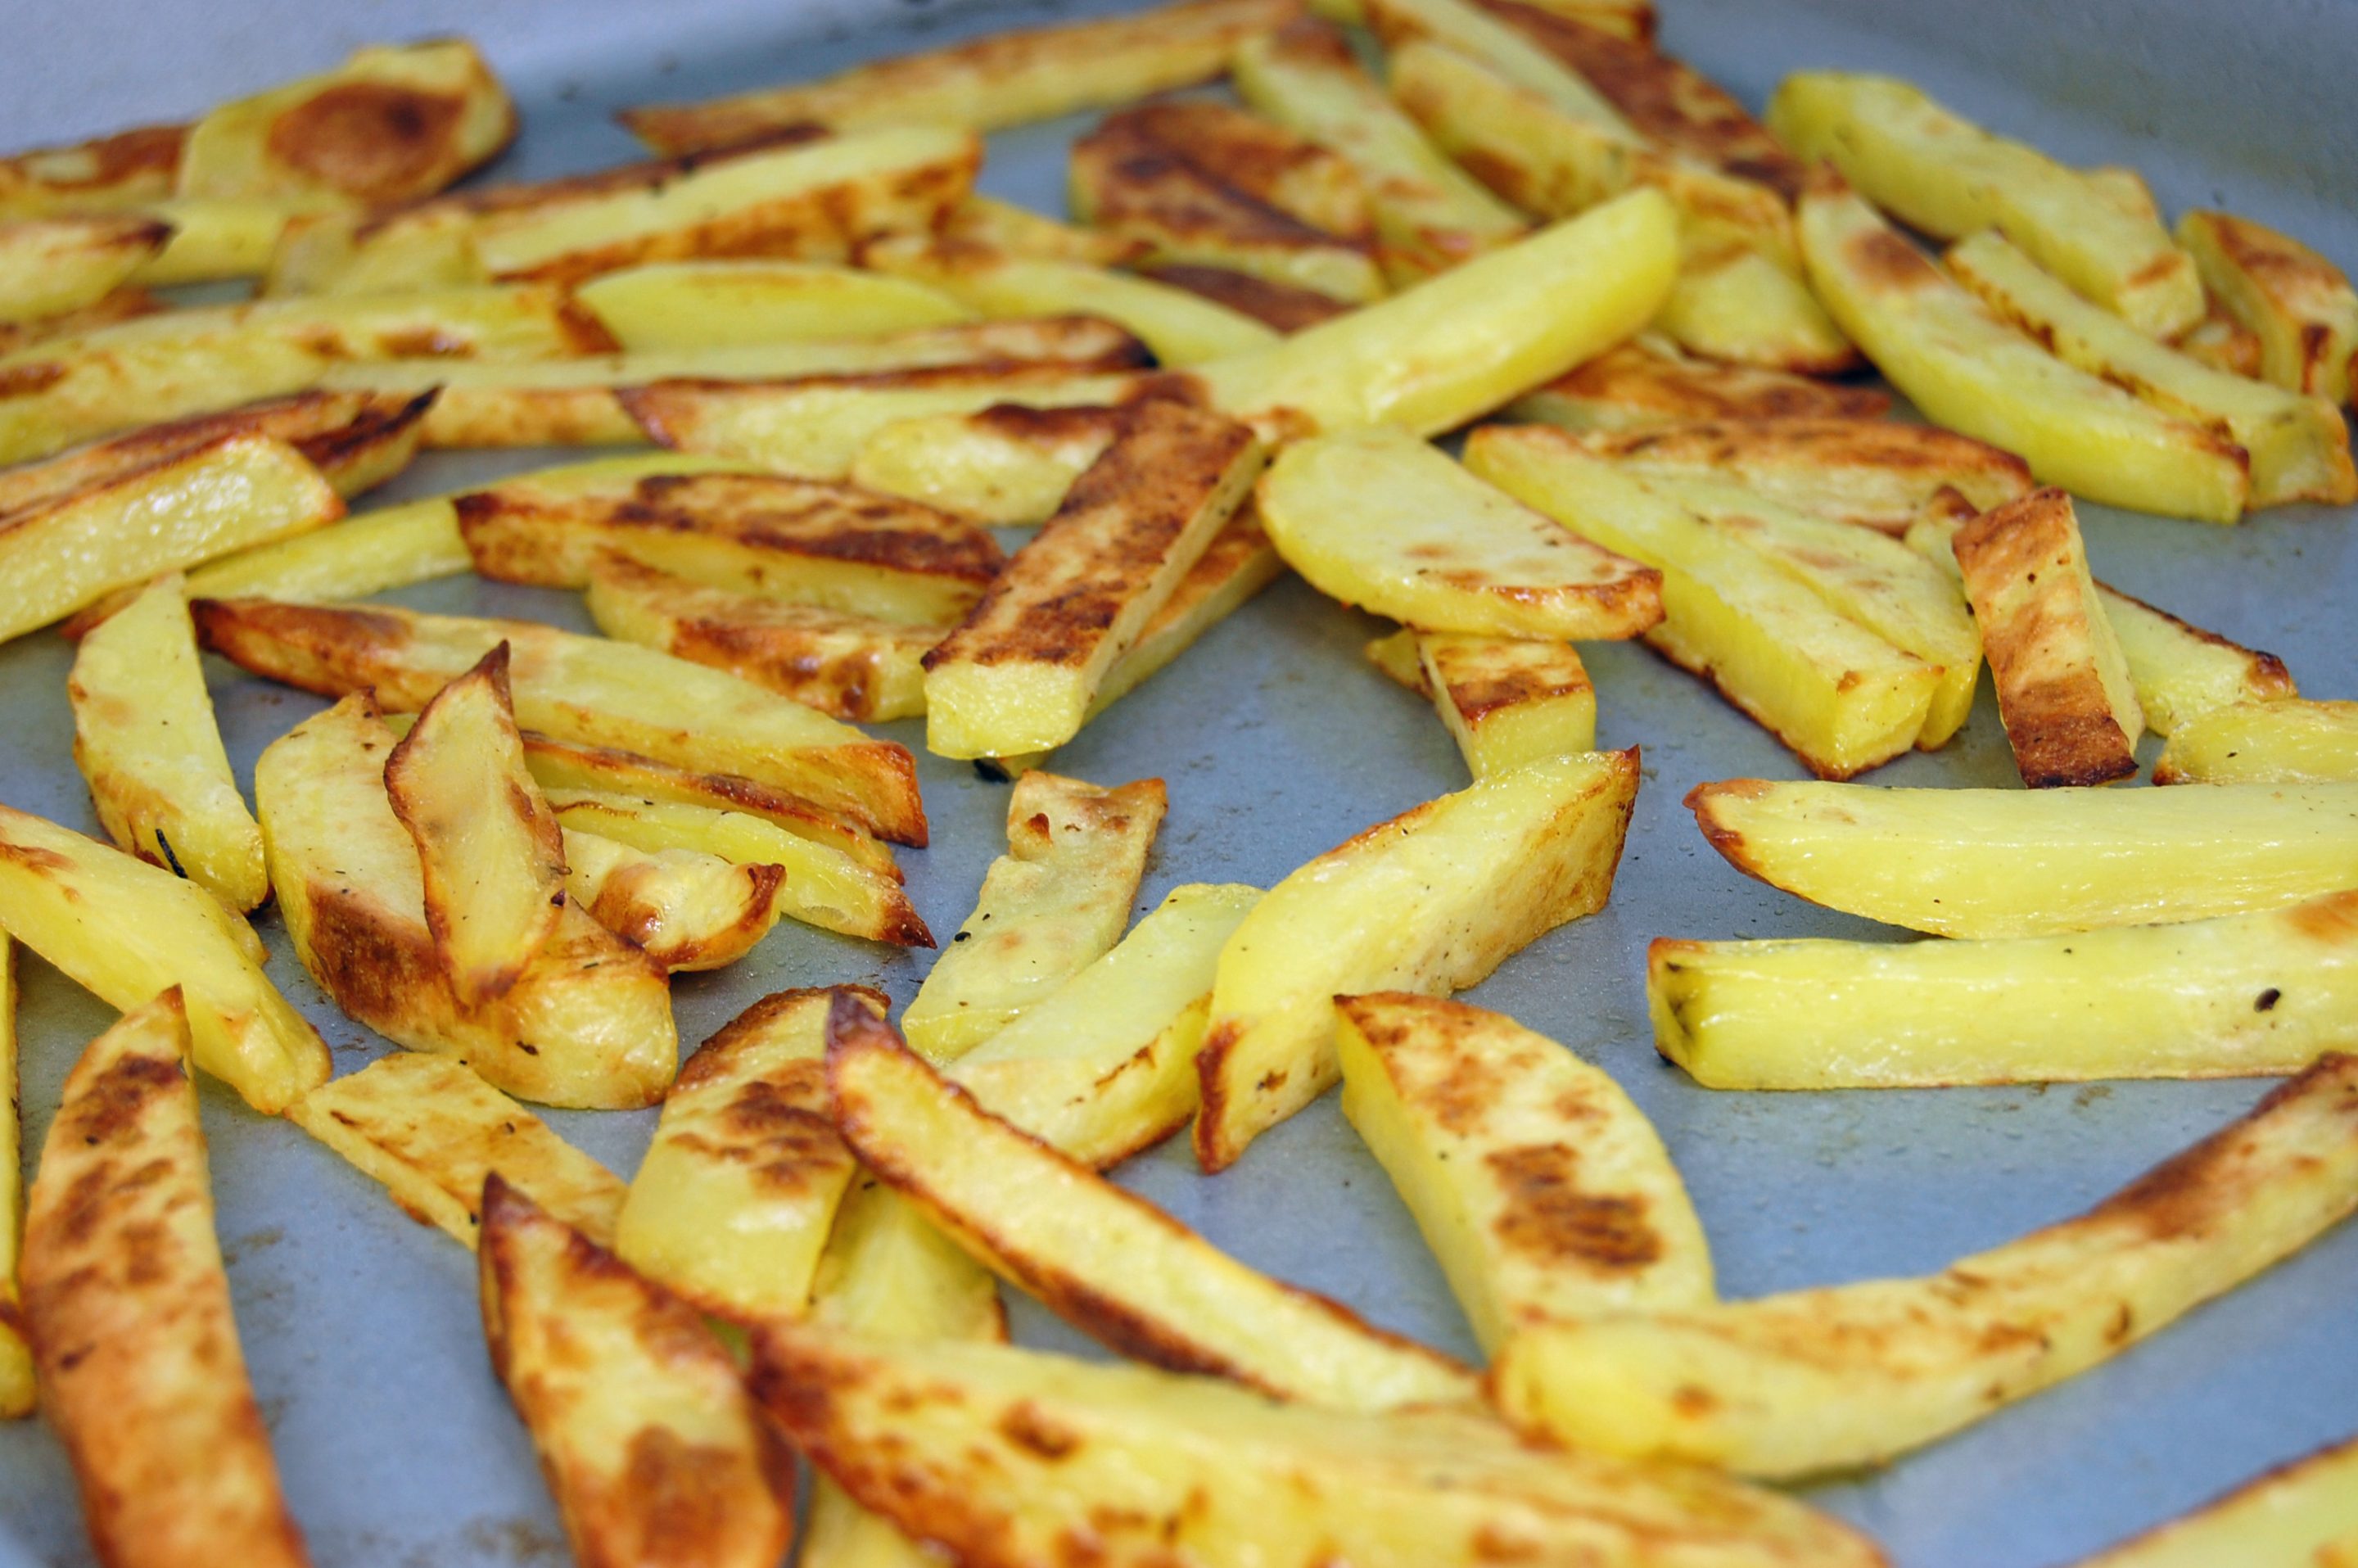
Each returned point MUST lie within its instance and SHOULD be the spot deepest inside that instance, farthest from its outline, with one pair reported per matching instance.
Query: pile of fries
(842, 377)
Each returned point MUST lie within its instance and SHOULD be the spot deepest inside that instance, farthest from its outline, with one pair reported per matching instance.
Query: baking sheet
(360, 1327)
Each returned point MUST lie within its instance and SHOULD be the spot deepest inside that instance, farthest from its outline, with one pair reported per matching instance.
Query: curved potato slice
(683, 908)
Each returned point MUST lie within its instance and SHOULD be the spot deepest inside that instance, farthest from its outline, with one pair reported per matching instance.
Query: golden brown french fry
(1508, 702)
(2303, 1514)
(732, 1203)
(585, 690)
(1053, 903)
(1004, 79)
(1008, 465)
(586, 1023)
(1649, 383)
(18, 1394)
(128, 1311)
(1111, 1264)
(106, 174)
(2222, 342)
(122, 305)
(2284, 742)
(570, 764)
(653, 1448)
(1824, 1380)
(217, 239)
(1281, 306)
(683, 908)
(712, 304)
(52, 266)
(368, 553)
(1735, 305)
(2301, 305)
(1179, 326)
(431, 1132)
(1431, 901)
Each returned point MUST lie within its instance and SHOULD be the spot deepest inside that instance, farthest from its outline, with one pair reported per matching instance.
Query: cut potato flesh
(1011, 465)
(1183, 329)
(2299, 305)
(2287, 741)
(670, 306)
(1508, 702)
(1649, 383)
(683, 908)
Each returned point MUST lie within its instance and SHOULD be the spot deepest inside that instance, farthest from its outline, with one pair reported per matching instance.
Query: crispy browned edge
(1827, 442)
(1634, 377)
(1281, 307)
(381, 142)
(1124, 1327)
(1477, 699)
(2059, 728)
(2267, 675)
(1144, 179)
(617, 907)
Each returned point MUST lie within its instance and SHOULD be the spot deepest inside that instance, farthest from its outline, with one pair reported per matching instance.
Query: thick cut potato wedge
(1508, 702)
(585, 690)
(52, 265)
(798, 540)
(1737, 305)
(61, 554)
(391, 124)
(1543, 1191)
(124, 930)
(1181, 328)
(1841, 697)
(1428, 213)
(587, 1021)
(1827, 1380)
(1004, 79)
(2064, 683)
(18, 1394)
(1966, 369)
(1939, 173)
(850, 665)
(489, 852)
(1431, 902)
(1281, 306)
(683, 908)
(2299, 304)
(1106, 1066)
(128, 1311)
(733, 1201)
(1019, 673)
(1877, 473)
(1010, 465)
(653, 1448)
(835, 879)
(1649, 383)
(2299, 445)
(106, 174)
(2285, 741)
(2264, 992)
(1113, 1265)
(1455, 346)
(993, 1450)
(1049, 907)
(1212, 185)
(1382, 520)
(1989, 862)
(431, 1132)
(146, 743)
(674, 306)
(2299, 1515)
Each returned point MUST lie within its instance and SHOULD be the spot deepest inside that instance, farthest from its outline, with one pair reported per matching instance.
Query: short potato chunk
(1542, 1190)
(684, 909)
(2287, 741)
(2299, 305)
(1509, 701)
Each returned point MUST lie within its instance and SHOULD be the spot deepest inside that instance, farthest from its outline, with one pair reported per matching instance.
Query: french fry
(683, 908)
(1281, 306)
(103, 174)
(990, 83)
(984, 225)
(587, 1022)
(1735, 305)
(2284, 742)
(1876, 474)
(1508, 702)
(1105, 1067)
(1967, 369)
(1825, 1380)
(52, 266)
(217, 239)
(2299, 305)
(1399, 660)
(1841, 698)
(2076, 859)
(1008, 465)
(850, 665)
(431, 1132)
(393, 546)
(2300, 449)
(489, 853)
(674, 305)
(1049, 907)
(1939, 173)
(2222, 342)
(1112, 1264)
(651, 1445)
(128, 1311)
(124, 930)
(1182, 328)
(2298, 1515)
(392, 123)
(569, 764)
(1019, 673)
(146, 743)
(2064, 683)
(772, 535)
(914, 1429)
(1428, 213)
(835, 879)
(18, 1394)
(1649, 383)
(733, 1201)
(2238, 994)
(1379, 519)
(123, 305)
(1519, 316)
(1431, 902)
(584, 689)
(1481, 39)
(61, 554)
(1540, 1188)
